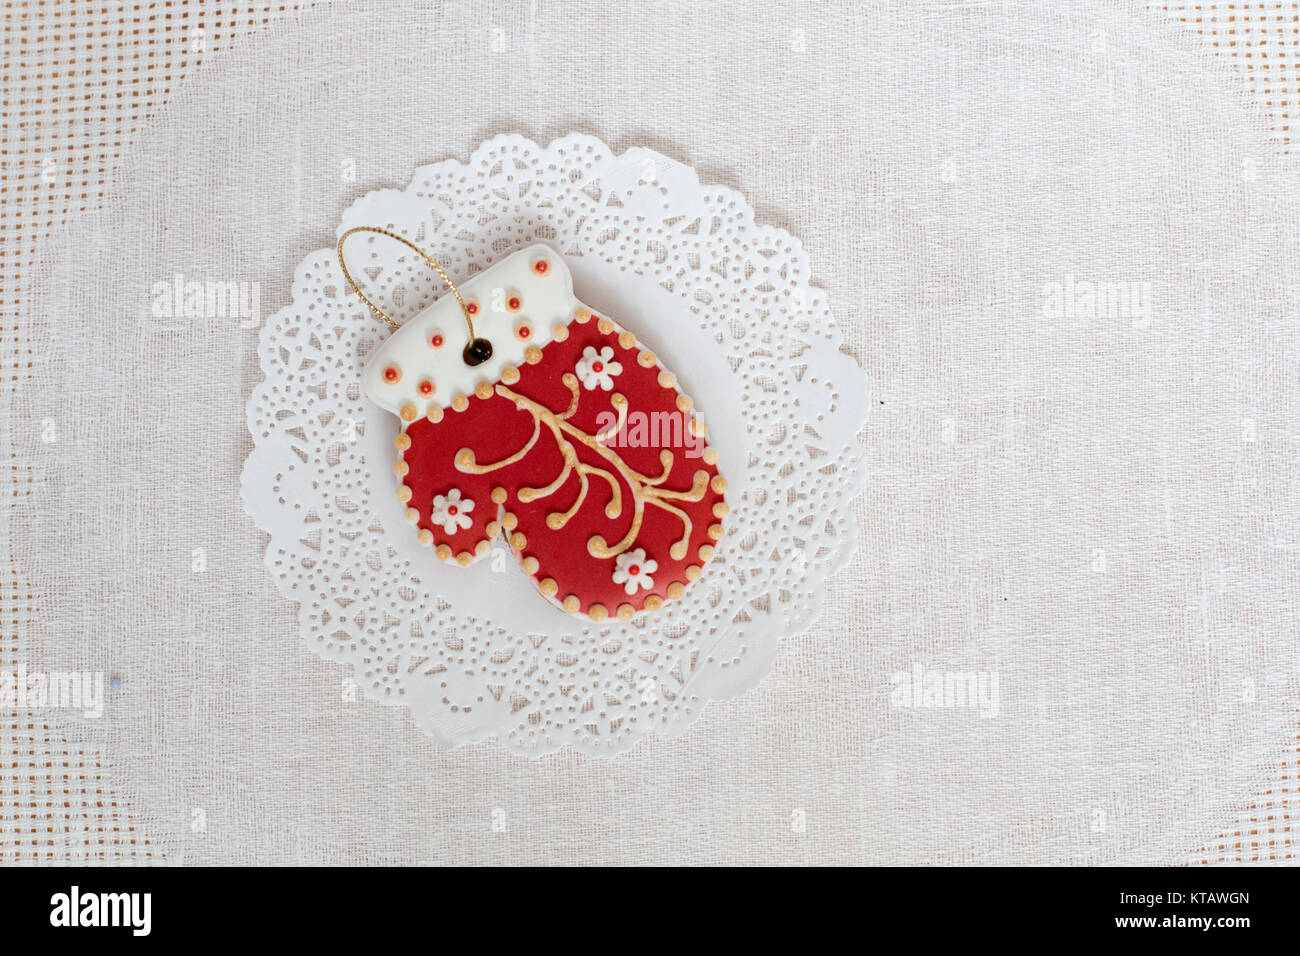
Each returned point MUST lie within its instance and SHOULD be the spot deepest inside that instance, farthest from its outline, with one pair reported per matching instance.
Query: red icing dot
(524, 331)
(541, 267)
(453, 510)
(634, 570)
(391, 374)
(598, 367)
(513, 303)
(436, 341)
(472, 308)
(426, 387)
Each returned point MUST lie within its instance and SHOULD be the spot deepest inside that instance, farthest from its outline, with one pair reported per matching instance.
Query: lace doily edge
(856, 403)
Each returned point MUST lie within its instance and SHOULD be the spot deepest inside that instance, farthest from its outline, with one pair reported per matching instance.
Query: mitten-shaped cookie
(555, 428)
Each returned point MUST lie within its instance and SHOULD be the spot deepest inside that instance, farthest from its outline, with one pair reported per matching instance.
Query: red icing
(495, 428)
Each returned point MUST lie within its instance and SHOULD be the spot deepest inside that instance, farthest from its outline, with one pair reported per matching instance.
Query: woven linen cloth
(1093, 503)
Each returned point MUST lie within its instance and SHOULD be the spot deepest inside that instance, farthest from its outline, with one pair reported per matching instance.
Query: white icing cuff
(516, 305)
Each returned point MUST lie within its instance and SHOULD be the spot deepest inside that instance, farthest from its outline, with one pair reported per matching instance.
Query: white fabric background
(941, 163)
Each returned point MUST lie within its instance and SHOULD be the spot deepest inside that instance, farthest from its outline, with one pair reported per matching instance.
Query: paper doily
(475, 652)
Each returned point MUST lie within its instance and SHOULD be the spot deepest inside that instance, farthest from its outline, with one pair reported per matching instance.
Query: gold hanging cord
(469, 321)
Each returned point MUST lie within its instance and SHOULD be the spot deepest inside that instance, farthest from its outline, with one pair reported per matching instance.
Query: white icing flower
(452, 511)
(633, 570)
(597, 369)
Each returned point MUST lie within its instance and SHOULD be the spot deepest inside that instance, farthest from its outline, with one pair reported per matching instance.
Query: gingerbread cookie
(552, 427)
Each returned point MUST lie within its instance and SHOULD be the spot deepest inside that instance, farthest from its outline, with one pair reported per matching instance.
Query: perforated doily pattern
(784, 406)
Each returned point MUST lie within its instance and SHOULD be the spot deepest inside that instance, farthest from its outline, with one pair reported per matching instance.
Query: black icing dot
(478, 352)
